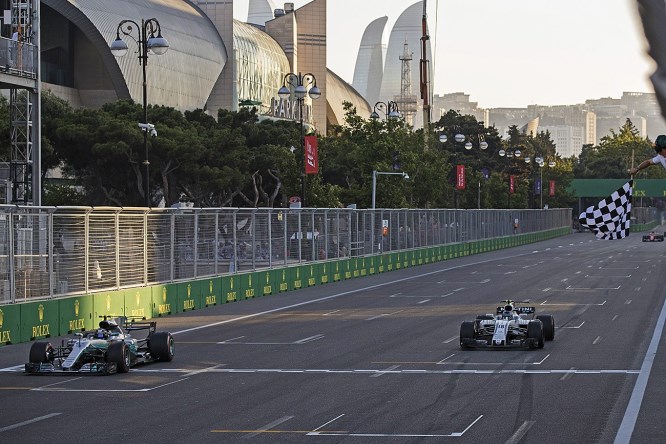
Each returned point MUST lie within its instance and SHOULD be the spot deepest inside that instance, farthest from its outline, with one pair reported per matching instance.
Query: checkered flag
(610, 218)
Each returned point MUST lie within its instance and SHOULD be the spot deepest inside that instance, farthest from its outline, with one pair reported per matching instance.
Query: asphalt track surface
(377, 360)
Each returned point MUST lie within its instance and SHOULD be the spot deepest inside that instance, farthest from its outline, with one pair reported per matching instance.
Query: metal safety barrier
(51, 252)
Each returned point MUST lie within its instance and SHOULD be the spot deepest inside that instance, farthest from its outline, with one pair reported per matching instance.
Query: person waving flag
(611, 217)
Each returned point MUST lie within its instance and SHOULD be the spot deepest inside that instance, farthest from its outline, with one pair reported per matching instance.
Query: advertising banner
(311, 156)
(460, 177)
(537, 186)
(512, 186)
(551, 188)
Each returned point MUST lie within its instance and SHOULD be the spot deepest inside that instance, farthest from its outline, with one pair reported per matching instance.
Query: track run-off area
(377, 360)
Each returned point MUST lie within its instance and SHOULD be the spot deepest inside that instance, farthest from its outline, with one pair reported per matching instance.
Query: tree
(614, 155)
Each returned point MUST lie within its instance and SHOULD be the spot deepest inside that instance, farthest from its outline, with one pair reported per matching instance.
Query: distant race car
(653, 237)
(510, 327)
(109, 349)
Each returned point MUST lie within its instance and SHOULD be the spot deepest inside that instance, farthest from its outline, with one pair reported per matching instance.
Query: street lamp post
(374, 182)
(510, 154)
(146, 42)
(376, 173)
(300, 83)
(483, 145)
(390, 110)
(458, 138)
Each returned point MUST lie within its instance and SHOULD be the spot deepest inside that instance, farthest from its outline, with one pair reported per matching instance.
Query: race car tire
(41, 352)
(535, 331)
(161, 346)
(466, 332)
(119, 353)
(548, 322)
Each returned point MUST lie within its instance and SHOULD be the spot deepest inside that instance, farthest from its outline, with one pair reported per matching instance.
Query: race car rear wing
(133, 324)
(519, 310)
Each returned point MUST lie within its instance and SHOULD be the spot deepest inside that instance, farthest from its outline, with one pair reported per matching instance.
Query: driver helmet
(508, 311)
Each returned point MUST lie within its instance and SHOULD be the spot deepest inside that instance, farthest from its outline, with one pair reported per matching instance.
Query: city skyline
(515, 54)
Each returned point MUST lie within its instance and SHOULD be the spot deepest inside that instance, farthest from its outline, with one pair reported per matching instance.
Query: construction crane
(424, 73)
(24, 108)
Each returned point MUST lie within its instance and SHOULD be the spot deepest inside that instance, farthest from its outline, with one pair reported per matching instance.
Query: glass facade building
(259, 66)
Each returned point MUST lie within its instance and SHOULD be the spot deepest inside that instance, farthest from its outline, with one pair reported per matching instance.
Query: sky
(508, 53)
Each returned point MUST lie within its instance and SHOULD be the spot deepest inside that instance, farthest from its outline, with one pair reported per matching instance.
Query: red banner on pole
(551, 188)
(512, 187)
(460, 177)
(311, 156)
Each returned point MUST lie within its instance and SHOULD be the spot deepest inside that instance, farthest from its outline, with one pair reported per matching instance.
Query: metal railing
(49, 252)
(18, 58)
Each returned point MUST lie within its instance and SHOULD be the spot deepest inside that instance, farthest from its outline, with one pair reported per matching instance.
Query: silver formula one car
(109, 349)
(510, 327)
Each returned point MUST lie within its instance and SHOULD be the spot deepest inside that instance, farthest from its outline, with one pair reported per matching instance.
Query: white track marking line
(414, 372)
(450, 356)
(29, 421)
(268, 427)
(567, 375)
(327, 423)
(14, 368)
(633, 408)
(383, 372)
(383, 315)
(451, 339)
(522, 430)
(147, 389)
(394, 435)
(57, 383)
(203, 370)
(577, 326)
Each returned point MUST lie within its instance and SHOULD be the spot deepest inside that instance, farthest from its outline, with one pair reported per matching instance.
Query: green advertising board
(296, 278)
(189, 296)
(324, 272)
(10, 324)
(230, 286)
(211, 291)
(349, 269)
(250, 285)
(40, 320)
(283, 277)
(310, 273)
(369, 265)
(76, 314)
(337, 272)
(111, 304)
(267, 279)
(139, 303)
(165, 300)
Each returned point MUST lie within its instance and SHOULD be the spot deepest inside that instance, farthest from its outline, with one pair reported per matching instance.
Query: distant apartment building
(568, 139)
(570, 126)
(458, 102)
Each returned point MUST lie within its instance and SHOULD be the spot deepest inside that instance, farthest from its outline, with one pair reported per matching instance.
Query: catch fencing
(51, 252)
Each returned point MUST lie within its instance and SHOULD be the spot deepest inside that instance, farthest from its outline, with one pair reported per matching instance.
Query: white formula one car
(510, 327)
